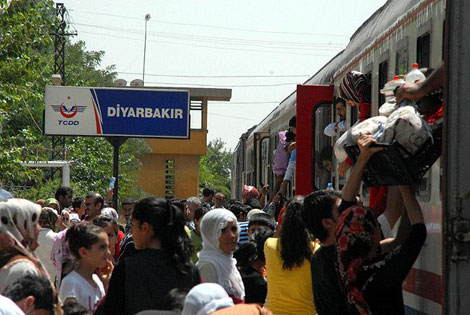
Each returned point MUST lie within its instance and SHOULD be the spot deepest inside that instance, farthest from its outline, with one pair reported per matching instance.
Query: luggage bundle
(411, 145)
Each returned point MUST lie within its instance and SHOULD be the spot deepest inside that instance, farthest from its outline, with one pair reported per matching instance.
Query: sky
(260, 49)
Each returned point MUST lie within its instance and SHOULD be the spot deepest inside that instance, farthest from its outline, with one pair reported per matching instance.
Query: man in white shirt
(219, 201)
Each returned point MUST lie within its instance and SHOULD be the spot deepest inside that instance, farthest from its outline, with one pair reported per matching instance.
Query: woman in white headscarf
(219, 231)
(206, 298)
(19, 231)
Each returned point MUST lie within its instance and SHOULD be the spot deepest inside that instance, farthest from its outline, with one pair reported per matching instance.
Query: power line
(218, 76)
(226, 40)
(225, 86)
(213, 26)
(212, 47)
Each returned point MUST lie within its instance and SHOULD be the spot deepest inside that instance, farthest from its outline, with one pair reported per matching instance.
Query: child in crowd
(89, 244)
(260, 220)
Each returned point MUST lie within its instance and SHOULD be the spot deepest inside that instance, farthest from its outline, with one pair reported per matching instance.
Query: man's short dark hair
(73, 307)
(262, 219)
(326, 153)
(206, 192)
(293, 121)
(128, 201)
(340, 100)
(200, 212)
(253, 203)
(236, 207)
(63, 191)
(97, 197)
(317, 206)
(32, 285)
(77, 202)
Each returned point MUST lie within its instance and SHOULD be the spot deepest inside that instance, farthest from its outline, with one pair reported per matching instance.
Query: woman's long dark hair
(295, 239)
(168, 224)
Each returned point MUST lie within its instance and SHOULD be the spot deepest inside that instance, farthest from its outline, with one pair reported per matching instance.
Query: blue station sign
(86, 111)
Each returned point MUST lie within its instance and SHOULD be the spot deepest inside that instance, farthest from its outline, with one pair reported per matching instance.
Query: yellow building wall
(186, 154)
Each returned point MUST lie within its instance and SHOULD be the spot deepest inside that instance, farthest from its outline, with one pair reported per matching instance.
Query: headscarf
(51, 201)
(17, 219)
(353, 86)
(354, 240)
(227, 273)
(250, 192)
(206, 298)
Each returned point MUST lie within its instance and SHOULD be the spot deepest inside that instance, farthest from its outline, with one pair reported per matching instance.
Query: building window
(170, 179)
(195, 109)
(383, 78)
(402, 62)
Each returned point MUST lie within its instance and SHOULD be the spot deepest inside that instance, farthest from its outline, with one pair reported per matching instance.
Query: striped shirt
(243, 226)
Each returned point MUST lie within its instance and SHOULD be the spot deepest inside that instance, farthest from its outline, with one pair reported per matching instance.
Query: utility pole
(147, 18)
(58, 143)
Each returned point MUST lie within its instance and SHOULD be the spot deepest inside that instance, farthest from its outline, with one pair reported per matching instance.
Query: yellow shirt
(289, 291)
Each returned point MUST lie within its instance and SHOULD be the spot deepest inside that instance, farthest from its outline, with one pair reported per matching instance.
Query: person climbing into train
(320, 213)
(363, 271)
(280, 161)
(291, 149)
(355, 89)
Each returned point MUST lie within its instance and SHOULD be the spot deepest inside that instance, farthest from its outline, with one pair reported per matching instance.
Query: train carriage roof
(376, 26)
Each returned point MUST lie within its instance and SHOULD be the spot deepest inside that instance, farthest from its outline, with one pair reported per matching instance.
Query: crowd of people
(324, 253)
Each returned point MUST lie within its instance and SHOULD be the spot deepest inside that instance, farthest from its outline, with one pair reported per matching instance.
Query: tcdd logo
(68, 111)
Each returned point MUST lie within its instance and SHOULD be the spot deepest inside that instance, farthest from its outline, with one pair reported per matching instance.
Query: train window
(401, 61)
(195, 109)
(170, 166)
(264, 167)
(383, 78)
(323, 151)
(423, 50)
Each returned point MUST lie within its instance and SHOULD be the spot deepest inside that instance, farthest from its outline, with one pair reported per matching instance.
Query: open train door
(314, 110)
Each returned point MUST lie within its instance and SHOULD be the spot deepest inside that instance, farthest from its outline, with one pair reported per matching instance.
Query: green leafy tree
(26, 66)
(214, 167)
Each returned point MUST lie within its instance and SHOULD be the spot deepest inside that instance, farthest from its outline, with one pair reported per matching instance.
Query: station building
(171, 168)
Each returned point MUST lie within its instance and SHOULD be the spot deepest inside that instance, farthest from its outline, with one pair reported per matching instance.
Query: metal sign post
(116, 142)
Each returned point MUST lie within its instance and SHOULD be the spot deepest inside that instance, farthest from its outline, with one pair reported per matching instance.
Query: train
(398, 34)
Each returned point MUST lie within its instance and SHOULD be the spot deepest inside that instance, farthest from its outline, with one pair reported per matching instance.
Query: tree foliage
(214, 167)
(26, 66)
